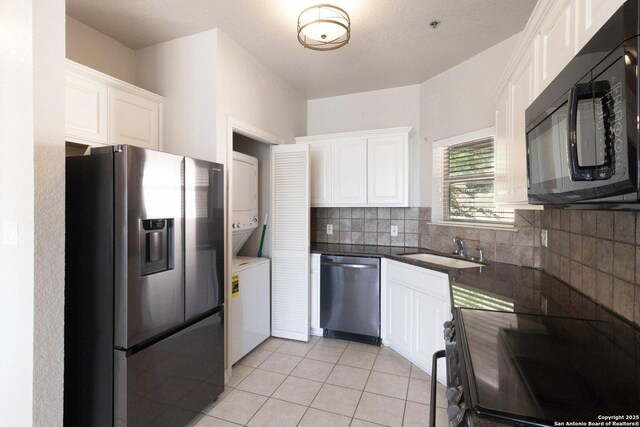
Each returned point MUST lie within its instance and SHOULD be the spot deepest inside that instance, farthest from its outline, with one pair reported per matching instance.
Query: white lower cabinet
(398, 310)
(415, 305)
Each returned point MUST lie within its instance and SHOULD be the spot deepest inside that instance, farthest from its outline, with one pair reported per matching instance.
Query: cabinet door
(350, 172)
(556, 41)
(591, 15)
(501, 189)
(522, 90)
(399, 317)
(86, 110)
(321, 177)
(290, 241)
(387, 170)
(314, 315)
(133, 120)
(429, 314)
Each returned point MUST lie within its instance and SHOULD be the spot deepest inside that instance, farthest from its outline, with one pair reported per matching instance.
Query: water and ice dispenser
(156, 245)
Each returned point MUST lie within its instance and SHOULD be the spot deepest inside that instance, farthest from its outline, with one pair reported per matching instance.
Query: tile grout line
(270, 396)
(335, 364)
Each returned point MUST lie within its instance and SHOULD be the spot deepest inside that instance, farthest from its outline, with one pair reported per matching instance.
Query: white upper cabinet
(133, 120)
(365, 168)
(104, 110)
(321, 178)
(387, 170)
(350, 172)
(501, 187)
(556, 31)
(590, 16)
(521, 94)
(86, 110)
(556, 44)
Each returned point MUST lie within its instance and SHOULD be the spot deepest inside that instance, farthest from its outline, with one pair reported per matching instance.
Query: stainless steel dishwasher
(350, 298)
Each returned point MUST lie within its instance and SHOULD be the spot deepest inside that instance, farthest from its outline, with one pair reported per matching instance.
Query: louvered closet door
(290, 251)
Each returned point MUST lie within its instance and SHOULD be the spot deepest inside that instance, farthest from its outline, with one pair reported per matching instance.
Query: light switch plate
(10, 234)
(544, 238)
(329, 228)
(394, 231)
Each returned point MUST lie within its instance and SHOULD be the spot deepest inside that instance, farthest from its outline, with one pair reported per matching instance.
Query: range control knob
(233, 225)
(452, 411)
(451, 393)
(255, 219)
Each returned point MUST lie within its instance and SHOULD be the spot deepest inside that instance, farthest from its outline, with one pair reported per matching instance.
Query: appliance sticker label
(235, 286)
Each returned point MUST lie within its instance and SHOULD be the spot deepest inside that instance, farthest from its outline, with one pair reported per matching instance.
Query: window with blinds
(468, 172)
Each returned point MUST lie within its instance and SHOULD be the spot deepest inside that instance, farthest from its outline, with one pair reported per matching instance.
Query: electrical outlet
(544, 238)
(329, 228)
(394, 231)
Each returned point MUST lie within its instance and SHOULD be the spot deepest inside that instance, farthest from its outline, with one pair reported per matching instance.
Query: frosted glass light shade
(324, 27)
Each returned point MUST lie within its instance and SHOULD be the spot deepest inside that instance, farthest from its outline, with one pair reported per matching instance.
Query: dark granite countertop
(495, 285)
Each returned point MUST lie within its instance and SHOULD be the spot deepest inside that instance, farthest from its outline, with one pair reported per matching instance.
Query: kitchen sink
(443, 260)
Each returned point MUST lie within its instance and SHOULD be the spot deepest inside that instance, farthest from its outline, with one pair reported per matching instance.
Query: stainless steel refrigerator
(144, 334)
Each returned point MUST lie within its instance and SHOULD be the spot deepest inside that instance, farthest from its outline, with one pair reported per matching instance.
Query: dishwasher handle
(347, 265)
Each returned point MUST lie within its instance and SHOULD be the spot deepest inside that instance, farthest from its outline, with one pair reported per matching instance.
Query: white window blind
(467, 179)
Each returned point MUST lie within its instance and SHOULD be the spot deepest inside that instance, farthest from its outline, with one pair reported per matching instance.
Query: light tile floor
(325, 382)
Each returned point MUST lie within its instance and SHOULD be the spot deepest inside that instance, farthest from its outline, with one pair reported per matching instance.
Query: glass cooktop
(546, 369)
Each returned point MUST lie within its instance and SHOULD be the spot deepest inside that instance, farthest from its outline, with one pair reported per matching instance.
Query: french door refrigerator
(144, 334)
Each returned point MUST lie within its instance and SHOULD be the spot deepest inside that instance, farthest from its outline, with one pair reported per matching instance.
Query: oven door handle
(434, 381)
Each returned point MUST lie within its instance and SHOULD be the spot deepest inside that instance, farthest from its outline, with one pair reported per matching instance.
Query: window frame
(438, 203)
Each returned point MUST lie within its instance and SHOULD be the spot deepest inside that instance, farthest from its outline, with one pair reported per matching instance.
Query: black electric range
(526, 369)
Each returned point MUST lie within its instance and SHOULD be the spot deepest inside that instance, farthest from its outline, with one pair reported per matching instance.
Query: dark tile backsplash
(596, 252)
(372, 226)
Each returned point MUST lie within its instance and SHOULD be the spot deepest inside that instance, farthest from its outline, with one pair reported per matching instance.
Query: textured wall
(49, 141)
(32, 195)
(16, 205)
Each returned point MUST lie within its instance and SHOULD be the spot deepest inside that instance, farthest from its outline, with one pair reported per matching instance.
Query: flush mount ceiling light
(324, 27)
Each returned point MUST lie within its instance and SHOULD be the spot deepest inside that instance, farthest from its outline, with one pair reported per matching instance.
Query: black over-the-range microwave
(582, 130)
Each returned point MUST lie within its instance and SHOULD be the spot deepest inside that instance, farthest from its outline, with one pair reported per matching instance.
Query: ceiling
(391, 41)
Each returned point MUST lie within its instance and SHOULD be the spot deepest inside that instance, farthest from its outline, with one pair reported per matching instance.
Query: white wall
(32, 195)
(460, 100)
(99, 51)
(376, 109)
(253, 94)
(184, 72)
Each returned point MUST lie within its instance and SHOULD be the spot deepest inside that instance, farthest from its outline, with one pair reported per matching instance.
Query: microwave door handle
(592, 90)
(602, 90)
(574, 96)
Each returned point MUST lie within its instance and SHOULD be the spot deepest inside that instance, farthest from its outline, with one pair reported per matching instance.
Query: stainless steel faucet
(461, 250)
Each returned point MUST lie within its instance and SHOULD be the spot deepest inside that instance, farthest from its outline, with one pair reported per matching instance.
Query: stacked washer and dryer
(250, 302)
